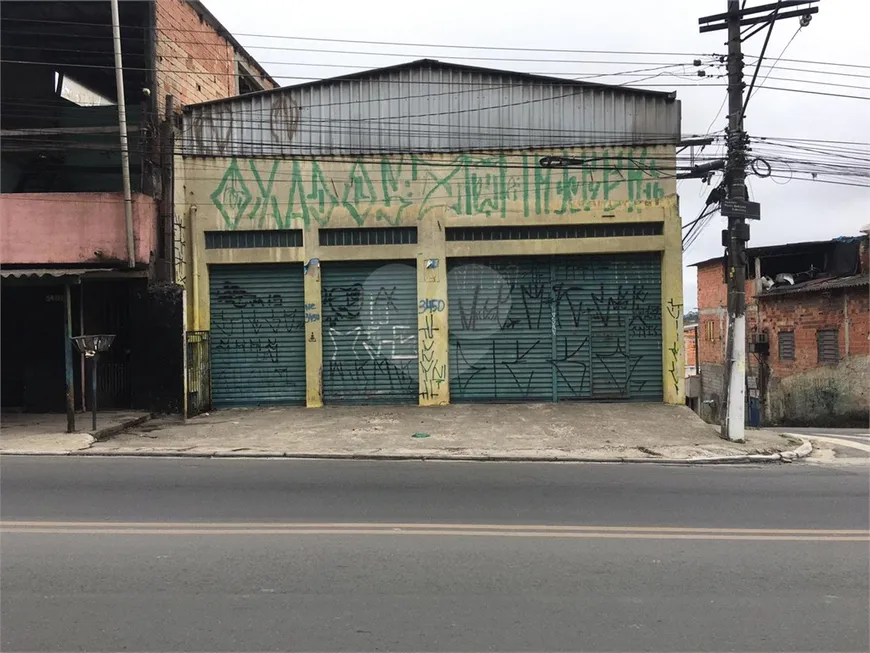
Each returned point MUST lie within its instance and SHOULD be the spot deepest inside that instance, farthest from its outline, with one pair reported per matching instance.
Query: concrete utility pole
(736, 237)
(736, 207)
(122, 130)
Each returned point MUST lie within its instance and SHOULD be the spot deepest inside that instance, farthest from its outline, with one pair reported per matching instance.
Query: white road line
(833, 440)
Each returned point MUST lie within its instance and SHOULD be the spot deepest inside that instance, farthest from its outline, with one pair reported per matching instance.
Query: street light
(92, 347)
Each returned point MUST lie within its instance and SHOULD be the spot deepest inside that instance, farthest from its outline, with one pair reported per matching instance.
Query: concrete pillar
(673, 358)
(432, 336)
(313, 325)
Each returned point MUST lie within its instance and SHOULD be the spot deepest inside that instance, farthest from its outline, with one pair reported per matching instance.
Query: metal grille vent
(829, 345)
(786, 345)
(253, 239)
(555, 232)
(376, 236)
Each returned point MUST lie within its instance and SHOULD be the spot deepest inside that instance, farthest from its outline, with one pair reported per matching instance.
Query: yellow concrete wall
(431, 192)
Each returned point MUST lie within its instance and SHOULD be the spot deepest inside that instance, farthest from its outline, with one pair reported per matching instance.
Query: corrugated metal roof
(35, 273)
(819, 285)
(427, 106)
(787, 248)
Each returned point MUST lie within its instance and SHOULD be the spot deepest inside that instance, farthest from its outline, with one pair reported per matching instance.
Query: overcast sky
(793, 211)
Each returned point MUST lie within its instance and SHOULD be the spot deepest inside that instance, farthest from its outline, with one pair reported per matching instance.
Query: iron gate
(198, 373)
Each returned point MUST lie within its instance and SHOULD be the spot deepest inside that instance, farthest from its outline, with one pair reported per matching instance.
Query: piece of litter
(420, 435)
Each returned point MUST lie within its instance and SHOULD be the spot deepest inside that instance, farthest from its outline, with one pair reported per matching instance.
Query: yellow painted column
(673, 357)
(313, 323)
(432, 337)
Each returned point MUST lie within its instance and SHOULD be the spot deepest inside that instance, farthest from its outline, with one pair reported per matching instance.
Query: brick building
(72, 261)
(693, 380)
(808, 333)
(690, 344)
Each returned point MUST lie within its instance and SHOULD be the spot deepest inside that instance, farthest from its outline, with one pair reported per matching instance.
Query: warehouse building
(409, 235)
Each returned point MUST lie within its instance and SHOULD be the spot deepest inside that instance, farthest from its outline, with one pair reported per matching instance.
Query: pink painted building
(66, 261)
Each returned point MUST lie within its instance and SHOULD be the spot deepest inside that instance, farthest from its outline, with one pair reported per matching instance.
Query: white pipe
(737, 385)
(122, 127)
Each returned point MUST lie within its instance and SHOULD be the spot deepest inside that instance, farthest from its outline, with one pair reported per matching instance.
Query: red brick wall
(713, 313)
(194, 63)
(711, 289)
(711, 302)
(805, 314)
(859, 322)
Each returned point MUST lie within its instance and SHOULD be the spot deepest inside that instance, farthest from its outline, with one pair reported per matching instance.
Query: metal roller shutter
(501, 328)
(257, 334)
(550, 329)
(608, 327)
(369, 332)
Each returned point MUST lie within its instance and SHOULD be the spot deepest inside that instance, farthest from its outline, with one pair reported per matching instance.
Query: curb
(802, 451)
(101, 435)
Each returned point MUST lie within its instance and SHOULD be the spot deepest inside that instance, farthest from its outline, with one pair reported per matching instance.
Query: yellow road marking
(422, 525)
(464, 533)
(490, 530)
(412, 526)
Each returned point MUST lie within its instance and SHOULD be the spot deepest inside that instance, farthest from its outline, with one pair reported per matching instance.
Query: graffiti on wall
(263, 331)
(433, 371)
(556, 330)
(596, 336)
(214, 132)
(675, 314)
(179, 249)
(283, 194)
(370, 333)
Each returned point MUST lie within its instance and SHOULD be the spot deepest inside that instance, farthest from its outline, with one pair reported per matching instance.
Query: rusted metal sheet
(429, 106)
(35, 273)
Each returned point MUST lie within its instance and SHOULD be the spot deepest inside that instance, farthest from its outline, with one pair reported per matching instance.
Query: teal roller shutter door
(572, 360)
(501, 330)
(369, 332)
(608, 337)
(257, 334)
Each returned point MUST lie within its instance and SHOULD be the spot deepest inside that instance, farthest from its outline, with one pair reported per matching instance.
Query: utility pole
(122, 130)
(736, 207)
(736, 237)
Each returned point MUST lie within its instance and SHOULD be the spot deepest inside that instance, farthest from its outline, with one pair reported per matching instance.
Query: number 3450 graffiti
(430, 306)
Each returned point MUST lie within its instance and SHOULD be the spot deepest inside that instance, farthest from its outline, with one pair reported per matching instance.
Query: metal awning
(41, 273)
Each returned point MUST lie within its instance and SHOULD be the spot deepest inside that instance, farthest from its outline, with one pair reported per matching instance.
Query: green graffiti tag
(266, 200)
(232, 195)
(384, 189)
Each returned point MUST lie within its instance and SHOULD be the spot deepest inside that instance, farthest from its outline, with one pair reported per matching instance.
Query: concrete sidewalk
(569, 431)
(45, 433)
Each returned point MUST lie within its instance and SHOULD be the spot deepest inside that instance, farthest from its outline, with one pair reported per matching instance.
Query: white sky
(793, 211)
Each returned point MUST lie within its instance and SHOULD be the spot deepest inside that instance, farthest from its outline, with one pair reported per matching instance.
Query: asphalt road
(255, 555)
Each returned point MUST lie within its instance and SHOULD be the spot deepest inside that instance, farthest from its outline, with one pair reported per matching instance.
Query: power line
(360, 41)
(397, 43)
(452, 83)
(448, 57)
(752, 93)
(551, 76)
(408, 55)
